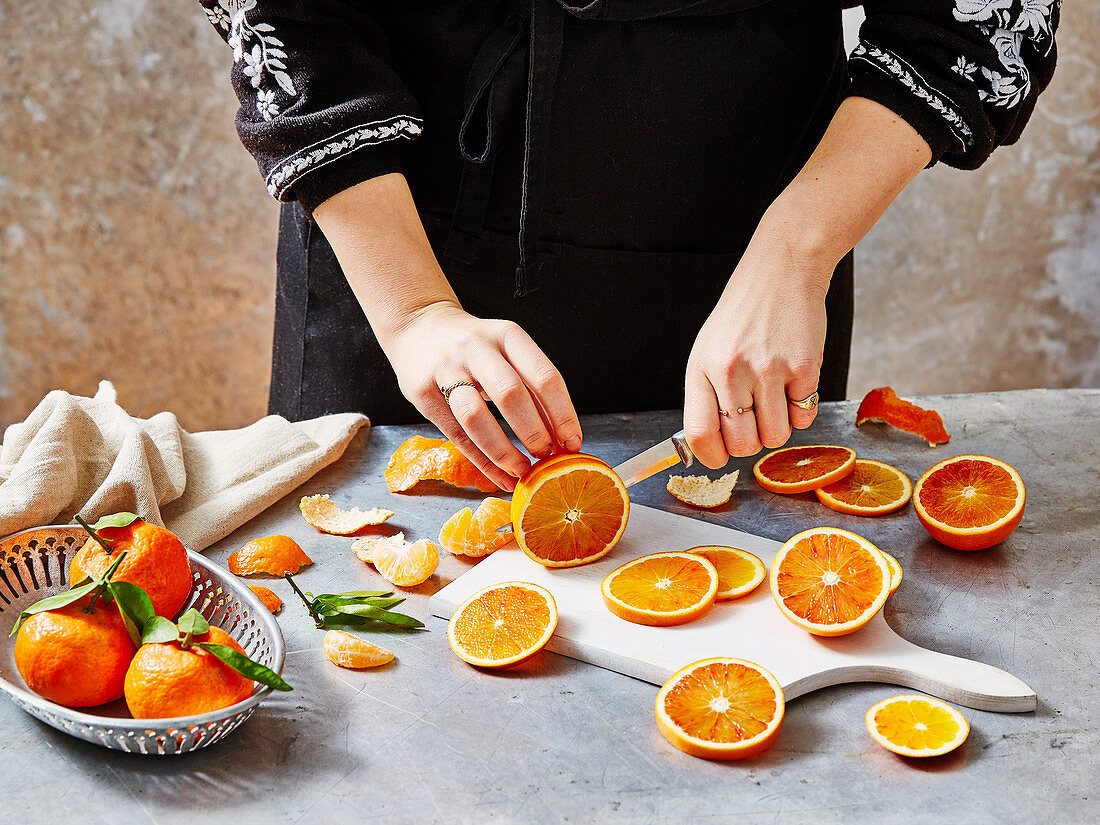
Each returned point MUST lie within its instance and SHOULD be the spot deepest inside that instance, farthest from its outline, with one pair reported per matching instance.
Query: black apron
(631, 148)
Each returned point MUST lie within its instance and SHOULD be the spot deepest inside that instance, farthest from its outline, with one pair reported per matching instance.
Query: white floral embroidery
(965, 68)
(265, 102)
(909, 77)
(286, 171)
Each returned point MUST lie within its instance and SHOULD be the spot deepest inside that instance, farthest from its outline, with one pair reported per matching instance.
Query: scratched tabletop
(429, 739)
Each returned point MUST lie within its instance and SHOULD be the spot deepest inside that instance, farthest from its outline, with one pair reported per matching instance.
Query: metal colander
(35, 564)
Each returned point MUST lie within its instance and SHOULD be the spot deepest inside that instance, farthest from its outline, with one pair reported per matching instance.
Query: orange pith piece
(474, 534)
(345, 650)
(503, 625)
(274, 555)
(420, 459)
(829, 581)
(914, 725)
(871, 489)
(720, 709)
(739, 571)
(266, 595)
(801, 469)
(661, 589)
(322, 513)
(883, 404)
(970, 502)
(569, 509)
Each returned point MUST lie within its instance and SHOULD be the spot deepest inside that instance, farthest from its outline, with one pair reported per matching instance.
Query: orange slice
(503, 624)
(700, 491)
(661, 589)
(829, 581)
(420, 459)
(871, 489)
(883, 404)
(739, 571)
(474, 534)
(970, 502)
(399, 562)
(320, 512)
(913, 725)
(345, 650)
(266, 595)
(720, 709)
(569, 509)
(801, 469)
(895, 572)
(276, 555)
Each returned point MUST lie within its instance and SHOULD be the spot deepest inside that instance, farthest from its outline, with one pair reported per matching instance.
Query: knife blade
(661, 456)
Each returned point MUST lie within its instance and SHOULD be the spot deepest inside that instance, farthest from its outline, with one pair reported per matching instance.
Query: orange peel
(700, 491)
(275, 555)
(266, 595)
(322, 513)
(422, 459)
(883, 404)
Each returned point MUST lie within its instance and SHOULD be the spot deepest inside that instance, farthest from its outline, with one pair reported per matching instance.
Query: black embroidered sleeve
(964, 73)
(320, 107)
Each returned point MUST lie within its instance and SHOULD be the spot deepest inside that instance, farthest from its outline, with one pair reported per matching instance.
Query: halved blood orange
(739, 571)
(895, 572)
(661, 589)
(503, 624)
(569, 509)
(829, 581)
(871, 489)
(970, 502)
(801, 469)
(914, 725)
(720, 709)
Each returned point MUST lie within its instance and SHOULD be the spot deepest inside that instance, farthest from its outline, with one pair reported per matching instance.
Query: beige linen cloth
(89, 456)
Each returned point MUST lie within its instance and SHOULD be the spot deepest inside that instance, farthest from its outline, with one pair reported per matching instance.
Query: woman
(661, 196)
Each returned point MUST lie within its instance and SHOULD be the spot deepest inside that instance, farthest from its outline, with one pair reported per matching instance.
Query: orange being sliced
(323, 514)
(661, 589)
(970, 502)
(503, 625)
(801, 469)
(276, 555)
(883, 404)
(474, 534)
(569, 509)
(268, 596)
(739, 571)
(871, 489)
(700, 491)
(895, 572)
(829, 581)
(420, 459)
(720, 709)
(915, 725)
(346, 650)
(400, 562)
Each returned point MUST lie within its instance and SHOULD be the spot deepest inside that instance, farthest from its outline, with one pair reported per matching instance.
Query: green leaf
(353, 594)
(373, 601)
(135, 606)
(193, 622)
(370, 612)
(54, 602)
(116, 520)
(159, 629)
(245, 666)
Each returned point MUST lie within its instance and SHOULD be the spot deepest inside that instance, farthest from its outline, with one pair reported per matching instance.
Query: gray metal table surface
(430, 739)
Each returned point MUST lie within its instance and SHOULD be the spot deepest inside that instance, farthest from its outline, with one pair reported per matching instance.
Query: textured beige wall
(137, 241)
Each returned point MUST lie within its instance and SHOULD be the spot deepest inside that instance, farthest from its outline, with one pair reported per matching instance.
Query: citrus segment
(871, 489)
(422, 459)
(474, 534)
(322, 513)
(895, 572)
(569, 509)
(271, 601)
(402, 563)
(739, 571)
(720, 709)
(503, 624)
(801, 469)
(346, 650)
(915, 725)
(829, 581)
(274, 555)
(700, 491)
(883, 404)
(661, 589)
(970, 502)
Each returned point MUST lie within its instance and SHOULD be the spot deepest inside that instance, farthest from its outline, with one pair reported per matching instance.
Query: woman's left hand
(760, 349)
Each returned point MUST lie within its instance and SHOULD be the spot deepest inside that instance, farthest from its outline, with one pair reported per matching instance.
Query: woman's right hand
(442, 345)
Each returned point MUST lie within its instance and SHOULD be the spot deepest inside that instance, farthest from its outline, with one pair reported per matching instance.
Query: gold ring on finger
(807, 403)
(452, 387)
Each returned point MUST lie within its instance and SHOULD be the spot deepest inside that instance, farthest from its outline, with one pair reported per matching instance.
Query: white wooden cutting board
(749, 628)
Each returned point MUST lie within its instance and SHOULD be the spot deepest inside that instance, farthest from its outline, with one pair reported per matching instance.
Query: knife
(667, 453)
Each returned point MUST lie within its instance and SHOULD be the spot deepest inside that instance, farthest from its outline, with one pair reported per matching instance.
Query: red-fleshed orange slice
(883, 404)
(801, 469)
(970, 502)
(871, 489)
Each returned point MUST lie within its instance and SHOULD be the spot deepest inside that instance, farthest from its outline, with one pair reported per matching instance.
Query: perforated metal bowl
(35, 564)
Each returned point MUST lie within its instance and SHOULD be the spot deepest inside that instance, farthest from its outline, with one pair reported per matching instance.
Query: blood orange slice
(801, 469)
(915, 725)
(739, 571)
(720, 709)
(829, 581)
(503, 624)
(871, 489)
(661, 589)
(970, 502)
(569, 509)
